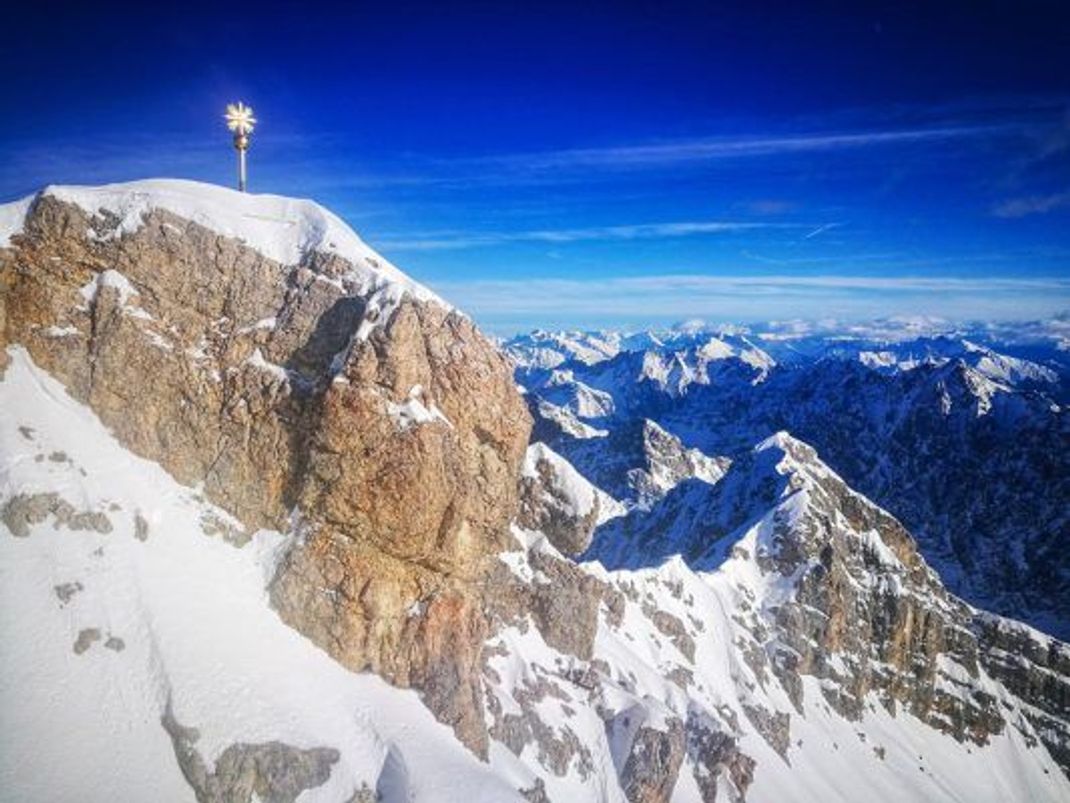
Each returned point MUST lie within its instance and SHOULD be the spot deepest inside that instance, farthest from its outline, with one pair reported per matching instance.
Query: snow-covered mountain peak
(832, 603)
(286, 230)
(1012, 371)
(277, 387)
(716, 349)
(788, 444)
(545, 349)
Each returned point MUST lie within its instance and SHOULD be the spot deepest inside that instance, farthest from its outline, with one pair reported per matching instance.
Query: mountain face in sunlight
(277, 524)
(963, 435)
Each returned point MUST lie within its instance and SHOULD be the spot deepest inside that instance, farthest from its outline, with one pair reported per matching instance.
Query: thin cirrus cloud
(570, 166)
(639, 231)
(820, 230)
(576, 165)
(743, 282)
(707, 149)
(1032, 205)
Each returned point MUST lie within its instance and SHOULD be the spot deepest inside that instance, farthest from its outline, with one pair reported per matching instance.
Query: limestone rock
(23, 510)
(382, 416)
(653, 763)
(1036, 668)
(865, 612)
(557, 501)
(272, 772)
(717, 760)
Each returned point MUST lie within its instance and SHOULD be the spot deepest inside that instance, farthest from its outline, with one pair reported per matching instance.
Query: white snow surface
(12, 217)
(256, 359)
(283, 229)
(831, 759)
(414, 411)
(110, 278)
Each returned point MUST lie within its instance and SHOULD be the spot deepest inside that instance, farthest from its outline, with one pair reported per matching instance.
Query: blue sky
(621, 163)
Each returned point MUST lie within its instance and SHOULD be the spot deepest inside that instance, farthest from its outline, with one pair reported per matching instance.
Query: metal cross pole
(240, 120)
(242, 144)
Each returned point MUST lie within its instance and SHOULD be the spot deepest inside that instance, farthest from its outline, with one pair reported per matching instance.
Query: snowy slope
(573, 494)
(195, 626)
(646, 680)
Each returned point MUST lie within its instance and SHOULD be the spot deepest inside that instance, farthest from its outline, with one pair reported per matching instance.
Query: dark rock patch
(86, 639)
(272, 771)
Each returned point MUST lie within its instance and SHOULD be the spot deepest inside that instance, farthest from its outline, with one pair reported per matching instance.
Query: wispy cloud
(769, 206)
(286, 157)
(786, 281)
(839, 259)
(821, 230)
(707, 149)
(1031, 205)
(640, 231)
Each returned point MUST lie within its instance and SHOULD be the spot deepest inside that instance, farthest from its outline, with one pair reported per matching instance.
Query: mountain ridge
(277, 532)
(967, 445)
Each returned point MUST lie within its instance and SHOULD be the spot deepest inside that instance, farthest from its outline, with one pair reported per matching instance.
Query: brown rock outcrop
(653, 763)
(549, 501)
(868, 614)
(865, 614)
(388, 423)
(717, 760)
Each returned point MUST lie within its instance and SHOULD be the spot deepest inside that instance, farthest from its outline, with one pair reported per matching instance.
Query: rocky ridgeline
(385, 428)
(434, 547)
(638, 462)
(968, 447)
(832, 587)
(1036, 669)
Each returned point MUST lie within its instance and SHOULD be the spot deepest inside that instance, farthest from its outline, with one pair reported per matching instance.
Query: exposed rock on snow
(1036, 668)
(272, 772)
(22, 511)
(638, 462)
(301, 413)
(557, 501)
(653, 762)
(832, 587)
(86, 639)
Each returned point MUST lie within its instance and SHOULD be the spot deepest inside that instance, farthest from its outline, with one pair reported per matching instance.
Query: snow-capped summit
(254, 348)
(286, 230)
(822, 591)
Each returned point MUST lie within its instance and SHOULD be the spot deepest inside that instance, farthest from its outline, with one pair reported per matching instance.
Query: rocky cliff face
(1035, 668)
(324, 395)
(832, 588)
(638, 462)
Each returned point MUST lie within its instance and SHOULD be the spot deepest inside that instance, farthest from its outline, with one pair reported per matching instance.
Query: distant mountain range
(963, 434)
